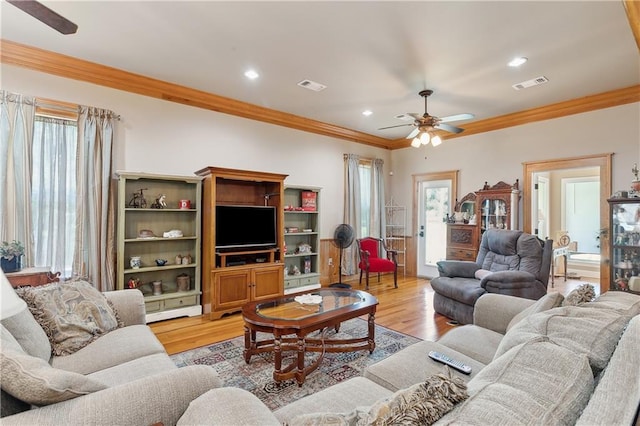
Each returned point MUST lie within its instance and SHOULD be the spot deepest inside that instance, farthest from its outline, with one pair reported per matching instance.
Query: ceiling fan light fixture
(425, 138)
(416, 143)
(436, 140)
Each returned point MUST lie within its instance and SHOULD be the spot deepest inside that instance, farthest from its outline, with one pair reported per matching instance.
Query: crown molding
(69, 67)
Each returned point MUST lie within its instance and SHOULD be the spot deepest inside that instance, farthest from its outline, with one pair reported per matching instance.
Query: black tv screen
(245, 226)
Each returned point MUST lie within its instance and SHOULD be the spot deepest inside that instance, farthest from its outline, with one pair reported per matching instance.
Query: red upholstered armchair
(370, 250)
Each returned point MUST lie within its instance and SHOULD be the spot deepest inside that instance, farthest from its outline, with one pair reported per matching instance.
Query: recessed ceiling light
(251, 74)
(516, 62)
(367, 113)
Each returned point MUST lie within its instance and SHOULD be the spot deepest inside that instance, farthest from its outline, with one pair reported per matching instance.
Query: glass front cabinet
(625, 244)
(497, 206)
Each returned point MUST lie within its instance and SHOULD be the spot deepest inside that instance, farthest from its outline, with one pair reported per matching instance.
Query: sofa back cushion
(33, 380)
(512, 390)
(72, 314)
(546, 302)
(581, 329)
(500, 242)
(26, 330)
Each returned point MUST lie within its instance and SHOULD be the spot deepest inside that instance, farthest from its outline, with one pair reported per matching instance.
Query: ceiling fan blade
(456, 117)
(45, 15)
(414, 133)
(399, 125)
(414, 115)
(448, 128)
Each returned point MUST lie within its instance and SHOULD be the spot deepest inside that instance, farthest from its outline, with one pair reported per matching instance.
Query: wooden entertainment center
(233, 277)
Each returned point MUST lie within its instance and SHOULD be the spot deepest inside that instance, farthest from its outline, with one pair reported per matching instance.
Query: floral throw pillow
(72, 314)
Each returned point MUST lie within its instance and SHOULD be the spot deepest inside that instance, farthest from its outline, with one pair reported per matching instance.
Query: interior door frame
(603, 162)
(451, 175)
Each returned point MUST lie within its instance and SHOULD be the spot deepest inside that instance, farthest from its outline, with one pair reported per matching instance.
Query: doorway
(571, 190)
(434, 199)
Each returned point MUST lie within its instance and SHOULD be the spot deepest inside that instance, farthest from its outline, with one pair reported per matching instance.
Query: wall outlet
(331, 261)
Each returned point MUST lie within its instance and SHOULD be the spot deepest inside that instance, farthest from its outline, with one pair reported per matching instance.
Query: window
(53, 192)
(364, 171)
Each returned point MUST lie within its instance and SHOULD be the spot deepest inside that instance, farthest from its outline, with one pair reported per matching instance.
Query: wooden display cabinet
(625, 244)
(463, 237)
(497, 206)
(301, 229)
(140, 233)
(233, 277)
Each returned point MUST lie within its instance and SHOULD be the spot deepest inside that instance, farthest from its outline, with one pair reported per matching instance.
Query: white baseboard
(188, 311)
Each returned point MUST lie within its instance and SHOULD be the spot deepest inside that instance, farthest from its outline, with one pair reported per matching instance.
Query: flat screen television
(245, 226)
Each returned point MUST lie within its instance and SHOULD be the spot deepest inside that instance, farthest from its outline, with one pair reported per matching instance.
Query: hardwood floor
(407, 309)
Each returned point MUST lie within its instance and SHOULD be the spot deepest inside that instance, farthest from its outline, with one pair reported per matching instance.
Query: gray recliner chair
(509, 262)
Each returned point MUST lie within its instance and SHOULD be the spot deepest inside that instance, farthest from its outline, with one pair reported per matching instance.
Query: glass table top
(287, 308)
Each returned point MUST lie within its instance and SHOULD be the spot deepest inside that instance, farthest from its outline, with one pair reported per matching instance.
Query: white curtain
(377, 223)
(351, 210)
(53, 193)
(95, 223)
(17, 114)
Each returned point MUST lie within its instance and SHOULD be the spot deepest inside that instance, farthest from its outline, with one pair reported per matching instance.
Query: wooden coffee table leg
(248, 344)
(277, 356)
(372, 332)
(301, 373)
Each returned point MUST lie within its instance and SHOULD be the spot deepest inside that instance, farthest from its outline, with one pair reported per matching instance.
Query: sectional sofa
(534, 362)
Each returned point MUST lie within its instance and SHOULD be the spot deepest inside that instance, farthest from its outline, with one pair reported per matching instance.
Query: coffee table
(291, 322)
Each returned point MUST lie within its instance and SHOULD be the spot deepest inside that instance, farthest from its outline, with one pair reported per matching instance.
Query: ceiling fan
(45, 15)
(425, 125)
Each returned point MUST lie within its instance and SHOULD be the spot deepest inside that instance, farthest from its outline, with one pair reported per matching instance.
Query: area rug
(227, 360)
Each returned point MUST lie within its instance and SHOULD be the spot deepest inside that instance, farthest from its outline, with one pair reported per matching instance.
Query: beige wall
(157, 136)
(498, 155)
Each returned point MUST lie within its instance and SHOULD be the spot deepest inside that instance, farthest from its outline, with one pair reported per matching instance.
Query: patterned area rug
(227, 360)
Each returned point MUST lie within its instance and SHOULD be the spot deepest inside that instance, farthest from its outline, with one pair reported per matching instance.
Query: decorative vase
(183, 281)
(635, 185)
(11, 265)
(135, 262)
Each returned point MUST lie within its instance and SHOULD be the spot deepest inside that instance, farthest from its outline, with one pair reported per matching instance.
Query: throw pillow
(546, 302)
(582, 294)
(72, 314)
(33, 380)
(423, 403)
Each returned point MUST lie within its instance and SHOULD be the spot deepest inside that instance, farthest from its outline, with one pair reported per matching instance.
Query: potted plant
(11, 256)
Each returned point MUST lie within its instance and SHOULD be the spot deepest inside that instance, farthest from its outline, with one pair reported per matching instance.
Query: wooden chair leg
(395, 277)
(367, 280)
(360, 280)
(378, 276)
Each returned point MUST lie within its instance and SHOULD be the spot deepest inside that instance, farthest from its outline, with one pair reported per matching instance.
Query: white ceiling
(371, 55)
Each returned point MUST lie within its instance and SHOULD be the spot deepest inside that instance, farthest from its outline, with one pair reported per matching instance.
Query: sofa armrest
(514, 283)
(235, 406)
(159, 398)
(495, 311)
(457, 268)
(129, 304)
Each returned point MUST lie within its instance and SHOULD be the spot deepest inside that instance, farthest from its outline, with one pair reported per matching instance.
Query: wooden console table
(33, 277)
(557, 252)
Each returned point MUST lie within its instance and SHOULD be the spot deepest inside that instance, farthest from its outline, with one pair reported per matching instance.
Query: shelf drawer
(308, 280)
(178, 303)
(291, 283)
(153, 306)
(461, 254)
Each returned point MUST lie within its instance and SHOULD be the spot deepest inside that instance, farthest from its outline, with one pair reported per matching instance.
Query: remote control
(452, 362)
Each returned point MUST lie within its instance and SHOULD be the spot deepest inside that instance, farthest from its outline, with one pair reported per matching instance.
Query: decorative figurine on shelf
(138, 201)
(133, 283)
(160, 202)
(635, 183)
(295, 271)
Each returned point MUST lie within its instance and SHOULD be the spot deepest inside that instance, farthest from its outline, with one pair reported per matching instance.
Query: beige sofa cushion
(548, 301)
(583, 330)
(72, 314)
(511, 390)
(615, 399)
(420, 404)
(26, 330)
(33, 380)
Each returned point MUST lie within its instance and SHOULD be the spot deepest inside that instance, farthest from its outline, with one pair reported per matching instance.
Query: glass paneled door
(434, 202)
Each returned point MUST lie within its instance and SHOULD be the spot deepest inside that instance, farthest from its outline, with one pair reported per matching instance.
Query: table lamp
(10, 304)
